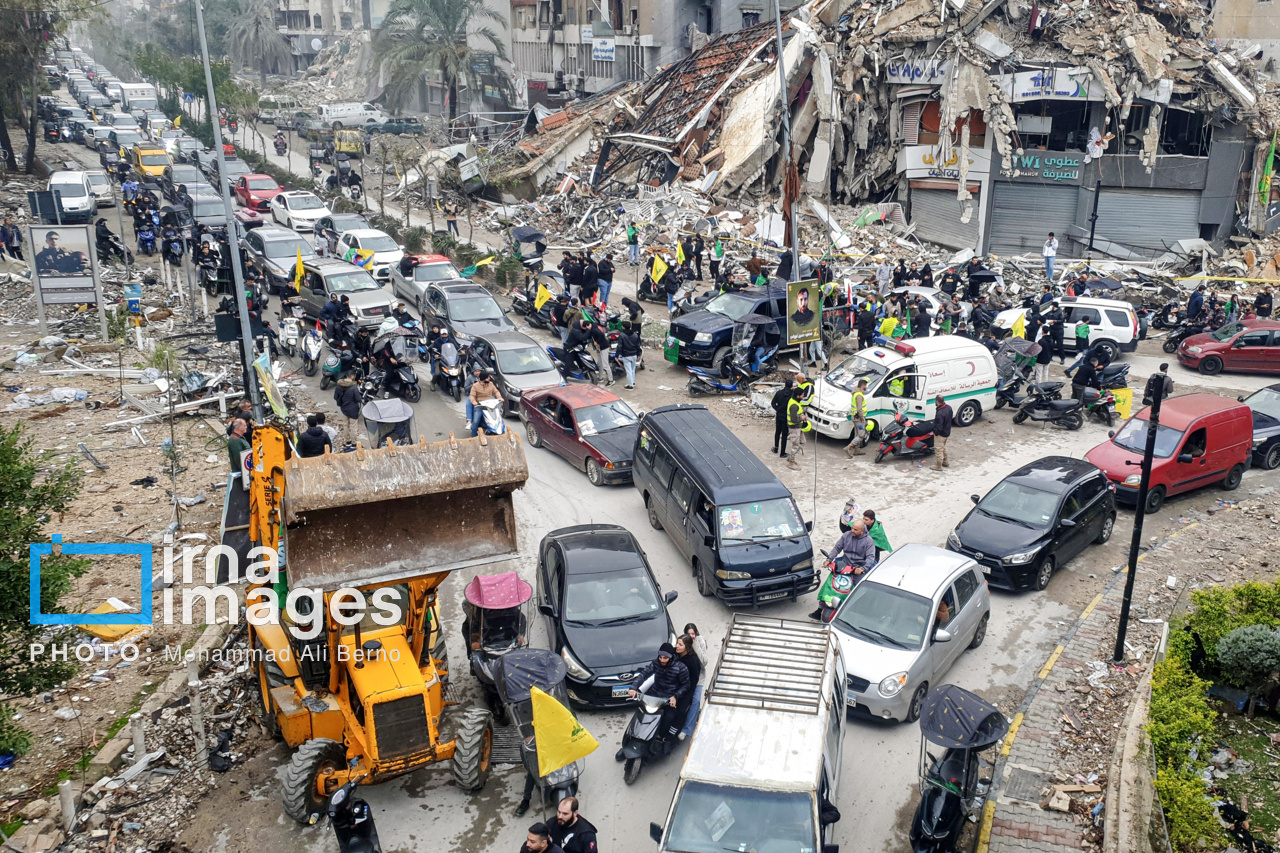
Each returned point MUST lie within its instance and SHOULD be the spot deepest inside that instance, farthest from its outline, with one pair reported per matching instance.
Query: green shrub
(1219, 610)
(415, 239)
(13, 737)
(1190, 818)
(1249, 657)
(1180, 715)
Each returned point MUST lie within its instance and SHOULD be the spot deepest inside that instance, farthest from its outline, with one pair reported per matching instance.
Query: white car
(1113, 325)
(298, 209)
(386, 253)
(100, 186)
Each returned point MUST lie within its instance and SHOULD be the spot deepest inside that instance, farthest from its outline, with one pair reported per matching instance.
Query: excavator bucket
(378, 516)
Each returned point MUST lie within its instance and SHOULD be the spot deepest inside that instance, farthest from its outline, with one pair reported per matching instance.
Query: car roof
(259, 175)
(295, 193)
(1053, 474)
(509, 340)
(918, 569)
(1261, 324)
(590, 548)
(266, 232)
(1094, 301)
(581, 394)
(463, 288)
(709, 451)
(432, 259)
(365, 232)
(1180, 412)
(333, 265)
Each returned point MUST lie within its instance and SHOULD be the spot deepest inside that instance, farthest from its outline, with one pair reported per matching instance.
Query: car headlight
(726, 575)
(953, 539)
(1133, 480)
(803, 566)
(1193, 350)
(1022, 558)
(462, 339)
(702, 338)
(576, 669)
(893, 685)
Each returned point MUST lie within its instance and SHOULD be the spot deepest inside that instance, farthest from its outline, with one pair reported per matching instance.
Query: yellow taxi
(149, 159)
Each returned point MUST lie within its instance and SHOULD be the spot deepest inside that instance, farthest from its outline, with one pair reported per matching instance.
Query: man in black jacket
(587, 335)
(605, 270)
(570, 831)
(670, 679)
(1057, 329)
(779, 405)
(347, 396)
(941, 432)
(314, 440)
(1086, 377)
(866, 324)
(629, 351)
(539, 840)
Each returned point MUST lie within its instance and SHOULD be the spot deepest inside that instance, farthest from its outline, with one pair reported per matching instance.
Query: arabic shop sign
(603, 49)
(924, 161)
(1059, 167)
(916, 71)
(1068, 84)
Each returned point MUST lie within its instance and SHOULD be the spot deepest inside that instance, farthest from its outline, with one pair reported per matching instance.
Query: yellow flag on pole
(297, 273)
(1019, 329)
(561, 739)
(679, 252)
(177, 122)
(659, 268)
(542, 298)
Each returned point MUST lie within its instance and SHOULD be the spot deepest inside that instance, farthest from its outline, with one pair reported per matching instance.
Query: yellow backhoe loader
(392, 523)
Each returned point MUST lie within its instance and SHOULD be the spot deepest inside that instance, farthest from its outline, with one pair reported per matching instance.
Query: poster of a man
(59, 259)
(803, 312)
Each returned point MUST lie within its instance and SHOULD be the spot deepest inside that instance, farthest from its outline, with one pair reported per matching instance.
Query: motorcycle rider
(362, 349)
(670, 679)
(335, 309)
(280, 143)
(436, 344)
(586, 335)
(854, 553)
(400, 313)
(129, 191)
(482, 389)
(146, 239)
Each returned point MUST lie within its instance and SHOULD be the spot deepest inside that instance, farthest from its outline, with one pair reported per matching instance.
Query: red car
(587, 425)
(1248, 346)
(256, 191)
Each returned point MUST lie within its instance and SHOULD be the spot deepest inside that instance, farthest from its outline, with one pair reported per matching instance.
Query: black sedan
(1035, 520)
(606, 615)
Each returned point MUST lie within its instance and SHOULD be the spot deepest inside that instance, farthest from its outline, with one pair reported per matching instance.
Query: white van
(74, 196)
(908, 373)
(1113, 324)
(350, 114)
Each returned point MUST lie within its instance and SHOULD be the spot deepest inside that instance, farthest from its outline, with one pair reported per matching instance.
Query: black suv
(467, 309)
(706, 336)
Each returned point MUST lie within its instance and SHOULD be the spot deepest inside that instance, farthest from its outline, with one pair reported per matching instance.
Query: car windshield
(379, 243)
(713, 818)
(304, 202)
(202, 208)
(759, 521)
(1265, 403)
(518, 362)
(124, 138)
(1227, 332)
(185, 175)
(69, 190)
(155, 159)
(610, 596)
(731, 305)
(235, 168)
(474, 308)
(188, 143)
(435, 272)
(604, 417)
(1133, 437)
(98, 180)
(288, 248)
(350, 222)
(1020, 504)
(849, 371)
(349, 282)
(885, 616)
(262, 184)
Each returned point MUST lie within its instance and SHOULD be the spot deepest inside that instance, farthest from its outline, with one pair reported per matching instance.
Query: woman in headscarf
(926, 276)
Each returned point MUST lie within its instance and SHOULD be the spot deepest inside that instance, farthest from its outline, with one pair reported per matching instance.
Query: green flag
(1264, 184)
(868, 216)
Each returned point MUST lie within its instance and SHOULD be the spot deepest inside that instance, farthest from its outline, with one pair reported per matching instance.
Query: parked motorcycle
(686, 301)
(1167, 316)
(1100, 405)
(312, 345)
(1007, 394)
(576, 363)
(1180, 334)
(1065, 413)
(1114, 376)
(905, 439)
(352, 820)
(643, 742)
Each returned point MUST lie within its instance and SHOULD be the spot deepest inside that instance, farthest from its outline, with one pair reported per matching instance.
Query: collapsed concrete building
(992, 122)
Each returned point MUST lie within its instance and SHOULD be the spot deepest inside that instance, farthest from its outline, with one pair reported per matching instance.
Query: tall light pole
(237, 274)
(788, 207)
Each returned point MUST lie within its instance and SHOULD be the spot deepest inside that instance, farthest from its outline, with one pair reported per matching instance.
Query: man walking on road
(699, 246)
(633, 244)
(1050, 251)
(451, 217)
(604, 271)
(781, 398)
(941, 432)
(570, 831)
(796, 423)
(11, 236)
(857, 414)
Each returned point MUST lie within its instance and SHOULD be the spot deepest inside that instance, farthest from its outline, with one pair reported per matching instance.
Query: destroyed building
(992, 123)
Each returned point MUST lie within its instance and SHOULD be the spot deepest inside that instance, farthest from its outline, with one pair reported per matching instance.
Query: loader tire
(301, 797)
(473, 751)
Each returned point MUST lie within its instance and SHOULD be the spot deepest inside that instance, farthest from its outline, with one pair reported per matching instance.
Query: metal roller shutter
(1024, 214)
(1149, 221)
(936, 215)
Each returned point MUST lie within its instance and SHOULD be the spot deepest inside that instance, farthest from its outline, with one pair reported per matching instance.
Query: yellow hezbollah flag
(560, 737)
(679, 251)
(659, 268)
(1019, 329)
(177, 122)
(541, 299)
(297, 273)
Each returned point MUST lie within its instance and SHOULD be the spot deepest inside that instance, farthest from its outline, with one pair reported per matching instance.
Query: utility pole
(1093, 224)
(788, 206)
(246, 330)
(1144, 484)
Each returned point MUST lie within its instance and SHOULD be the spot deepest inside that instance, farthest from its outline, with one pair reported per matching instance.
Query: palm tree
(422, 36)
(254, 41)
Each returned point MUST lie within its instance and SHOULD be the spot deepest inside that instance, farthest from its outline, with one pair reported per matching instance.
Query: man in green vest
(633, 244)
(857, 414)
(804, 390)
(797, 424)
(717, 255)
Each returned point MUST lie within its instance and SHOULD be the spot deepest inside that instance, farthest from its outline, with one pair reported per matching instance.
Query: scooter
(905, 439)
(173, 250)
(1100, 405)
(494, 422)
(836, 589)
(685, 302)
(352, 820)
(735, 375)
(312, 345)
(1168, 316)
(1007, 394)
(576, 363)
(113, 247)
(146, 242)
(643, 742)
(1114, 376)
(401, 382)
(290, 332)
(1180, 334)
(448, 373)
(281, 146)
(1066, 413)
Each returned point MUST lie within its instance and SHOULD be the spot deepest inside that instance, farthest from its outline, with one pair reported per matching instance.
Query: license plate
(621, 692)
(986, 570)
(774, 595)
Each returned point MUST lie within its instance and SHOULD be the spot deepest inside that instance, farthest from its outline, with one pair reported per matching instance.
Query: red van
(1201, 439)
(1249, 346)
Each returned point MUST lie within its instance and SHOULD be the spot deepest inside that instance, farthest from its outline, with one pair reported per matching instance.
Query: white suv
(1113, 324)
